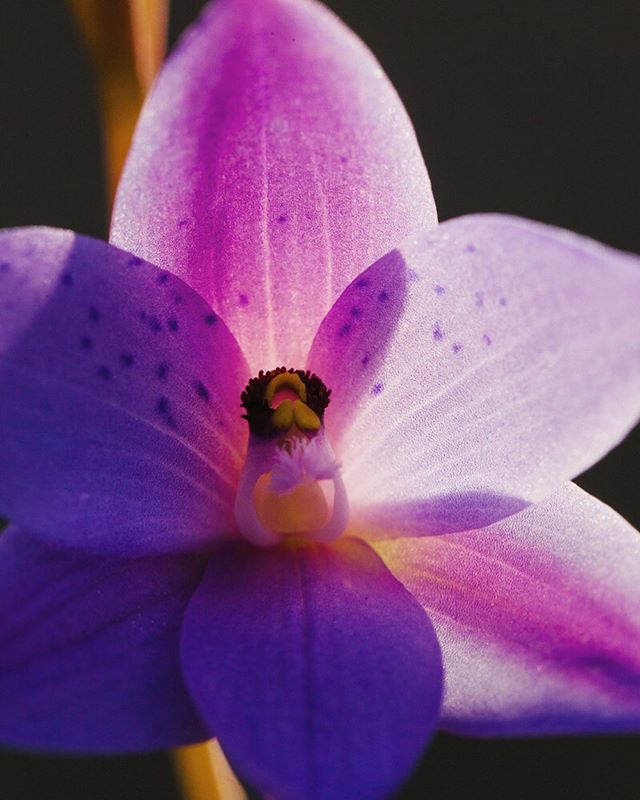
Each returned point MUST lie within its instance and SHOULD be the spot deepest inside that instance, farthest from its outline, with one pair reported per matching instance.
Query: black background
(525, 107)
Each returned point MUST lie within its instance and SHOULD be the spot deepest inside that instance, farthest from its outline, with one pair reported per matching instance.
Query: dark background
(529, 108)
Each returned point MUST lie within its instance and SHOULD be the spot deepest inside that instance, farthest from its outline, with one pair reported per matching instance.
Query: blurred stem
(127, 42)
(204, 773)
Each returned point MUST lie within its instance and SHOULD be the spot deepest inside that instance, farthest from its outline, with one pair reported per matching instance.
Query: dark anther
(259, 412)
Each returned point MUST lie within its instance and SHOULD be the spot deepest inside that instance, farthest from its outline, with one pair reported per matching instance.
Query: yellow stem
(204, 773)
(127, 41)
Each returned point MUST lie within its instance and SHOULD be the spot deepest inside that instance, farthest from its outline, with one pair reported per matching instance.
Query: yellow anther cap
(306, 419)
(283, 415)
(285, 380)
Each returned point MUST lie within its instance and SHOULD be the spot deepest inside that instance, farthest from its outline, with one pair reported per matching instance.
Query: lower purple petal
(319, 672)
(538, 617)
(89, 655)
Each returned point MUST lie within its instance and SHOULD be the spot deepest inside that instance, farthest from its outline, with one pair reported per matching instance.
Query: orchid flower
(388, 542)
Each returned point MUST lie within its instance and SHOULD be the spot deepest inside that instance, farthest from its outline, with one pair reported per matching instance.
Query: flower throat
(290, 484)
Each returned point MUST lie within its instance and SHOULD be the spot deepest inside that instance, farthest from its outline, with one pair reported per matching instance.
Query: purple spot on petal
(487, 339)
(182, 223)
(202, 391)
(86, 343)
(356, 312)
(479, 299)
(377, 388)
(383, 296)
(94, 314)
(439, 289)
(5, 267)
(456, 347)
(173, 324)
(362, 283)
(470, 248)
(162, 371)
(344, 330)
(177, 299)
(210, 319)
(135, 261)
(365, 359)
(243, 300)
(126, 359)
(104, 373)
(344, 159)
(162, 405)
(503, 301)
(438, 333)
(283, 218)
(65, 280)
(155, 324)
(163, 277)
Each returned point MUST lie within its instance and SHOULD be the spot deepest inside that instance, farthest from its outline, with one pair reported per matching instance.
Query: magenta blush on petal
(538, 617)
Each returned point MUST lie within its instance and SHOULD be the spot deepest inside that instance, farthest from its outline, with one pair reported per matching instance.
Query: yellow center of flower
(301, 509)
(286, 413)
(290, 484)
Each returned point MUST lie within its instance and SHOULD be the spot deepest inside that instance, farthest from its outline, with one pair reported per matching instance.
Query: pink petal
(503, 359)
(538, 617)
(119, 400)
(273, 162)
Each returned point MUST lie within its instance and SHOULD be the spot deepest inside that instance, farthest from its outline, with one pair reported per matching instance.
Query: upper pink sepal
(272, 163)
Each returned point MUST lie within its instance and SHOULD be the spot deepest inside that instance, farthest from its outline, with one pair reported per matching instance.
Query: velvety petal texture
(503, 360)
(89, 656)
(272, 163)
(538, 617)
(319, 672)
(119, 399)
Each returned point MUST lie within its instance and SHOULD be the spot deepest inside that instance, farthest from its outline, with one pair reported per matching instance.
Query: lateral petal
(538, 617)
(478, 368)
(119, 392)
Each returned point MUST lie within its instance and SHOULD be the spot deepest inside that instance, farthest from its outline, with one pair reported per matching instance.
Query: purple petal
(119, 396)
(320, 673)
(538, 617)
(353, 341)
(505, 361)
(272, 163)
(89, 649)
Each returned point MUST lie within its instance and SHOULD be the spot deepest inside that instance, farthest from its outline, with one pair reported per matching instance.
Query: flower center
(290, 484)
